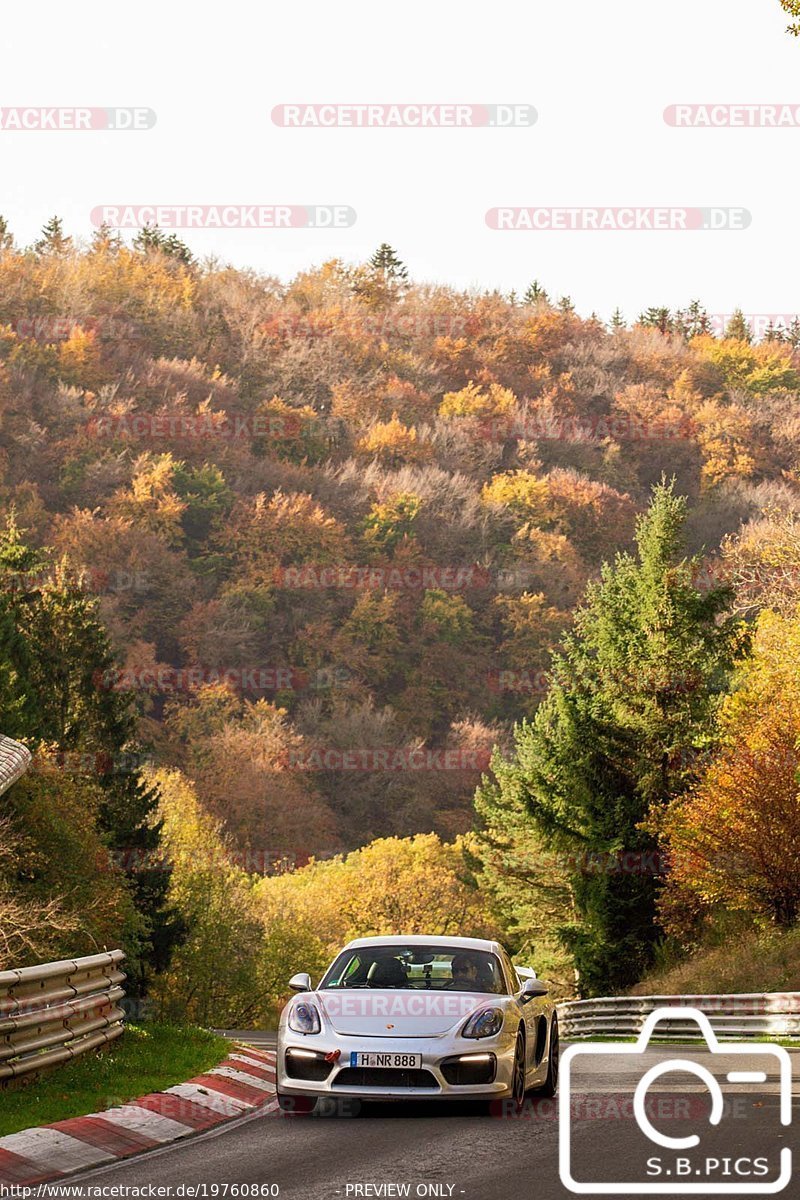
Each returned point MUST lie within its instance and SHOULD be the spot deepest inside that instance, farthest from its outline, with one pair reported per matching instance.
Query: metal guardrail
(14, 761)
(766, 1014)
(51, 1014)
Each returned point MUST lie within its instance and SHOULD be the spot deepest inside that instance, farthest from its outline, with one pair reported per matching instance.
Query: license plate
(374, 1058)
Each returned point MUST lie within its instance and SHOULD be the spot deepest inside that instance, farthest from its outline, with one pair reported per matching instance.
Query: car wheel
(550, 1085)
(296, 1106)
(518, 1079)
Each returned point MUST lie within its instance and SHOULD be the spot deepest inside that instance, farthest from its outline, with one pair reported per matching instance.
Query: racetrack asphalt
(451, 1151)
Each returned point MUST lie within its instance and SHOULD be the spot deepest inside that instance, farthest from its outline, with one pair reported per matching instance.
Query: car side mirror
(531, 989)
(300, 982)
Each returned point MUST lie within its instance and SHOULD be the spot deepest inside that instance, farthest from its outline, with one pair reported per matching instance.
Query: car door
(533, 1013)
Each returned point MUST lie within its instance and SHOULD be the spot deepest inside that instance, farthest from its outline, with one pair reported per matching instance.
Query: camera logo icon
(690, 1164)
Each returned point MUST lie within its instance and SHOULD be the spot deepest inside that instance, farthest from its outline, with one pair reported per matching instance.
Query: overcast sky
(598, 74)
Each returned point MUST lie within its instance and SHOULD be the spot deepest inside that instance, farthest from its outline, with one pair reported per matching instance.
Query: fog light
(469, 1069)
(306, 1064)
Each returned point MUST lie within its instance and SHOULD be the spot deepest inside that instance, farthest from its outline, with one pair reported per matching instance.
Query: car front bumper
(434, 1051)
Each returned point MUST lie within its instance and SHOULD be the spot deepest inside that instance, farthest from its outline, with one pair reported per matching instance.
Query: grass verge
(147, 1058)
(748, 960)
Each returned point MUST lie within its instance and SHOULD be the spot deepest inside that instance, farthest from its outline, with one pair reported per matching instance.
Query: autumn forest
(352, 605)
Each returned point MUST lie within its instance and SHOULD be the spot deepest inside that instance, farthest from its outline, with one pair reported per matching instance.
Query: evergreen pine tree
(152, 240)
(6, 236)
(657, 318)
(692, 321)
(105, 240)
(617, 319)
(386, 261)
(535, 294)
(792, 7)
(59, 693)
(53, 240)
(632, 703)
(737, 328)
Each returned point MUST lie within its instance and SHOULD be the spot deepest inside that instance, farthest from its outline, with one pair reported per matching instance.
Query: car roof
(416, 939)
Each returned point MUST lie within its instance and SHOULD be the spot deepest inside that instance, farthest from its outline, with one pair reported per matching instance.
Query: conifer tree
(535, 294)
(657, 318)
(386, 261)
(105, 240)
(59, 674)
(792, 7)
(737, 328)
(632, 702)
(53, 240)
(152, 240)
(692, 321)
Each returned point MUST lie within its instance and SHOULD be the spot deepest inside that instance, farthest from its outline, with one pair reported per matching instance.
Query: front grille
(298, 1066)
(461, 1073)
(390, 1077)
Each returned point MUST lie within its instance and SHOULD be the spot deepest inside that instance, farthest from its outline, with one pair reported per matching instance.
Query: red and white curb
(245, 1081)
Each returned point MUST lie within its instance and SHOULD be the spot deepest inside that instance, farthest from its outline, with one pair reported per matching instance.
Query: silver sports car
(396, 1018)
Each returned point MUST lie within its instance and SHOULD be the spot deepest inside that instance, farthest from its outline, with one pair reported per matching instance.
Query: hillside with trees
(287, 565)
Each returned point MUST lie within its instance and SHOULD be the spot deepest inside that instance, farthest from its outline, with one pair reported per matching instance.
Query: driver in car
(466, 974)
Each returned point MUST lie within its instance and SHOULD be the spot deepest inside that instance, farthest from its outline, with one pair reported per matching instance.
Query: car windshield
(424, 968)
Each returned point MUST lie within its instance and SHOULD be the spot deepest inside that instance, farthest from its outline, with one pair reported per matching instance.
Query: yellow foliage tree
(735, 839)
(287, 527)
(391, 886)
(231, 967)
(760, 368)
(522, 492)
(728, 440)
(484, 403)
(762, 561)
(79, 359)
(151, 502)
(392, 442)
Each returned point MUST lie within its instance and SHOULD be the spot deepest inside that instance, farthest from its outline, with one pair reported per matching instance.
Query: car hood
(400, 1013)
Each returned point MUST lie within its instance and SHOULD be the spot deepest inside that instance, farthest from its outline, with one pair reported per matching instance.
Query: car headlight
(304, 1017)
(484, 1023)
